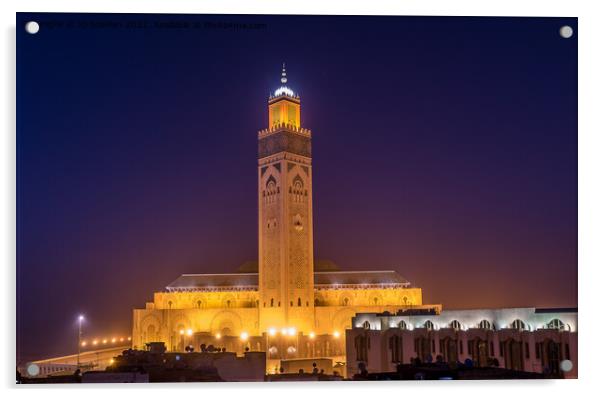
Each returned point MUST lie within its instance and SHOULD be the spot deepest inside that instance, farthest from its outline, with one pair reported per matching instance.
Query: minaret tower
(286, 262)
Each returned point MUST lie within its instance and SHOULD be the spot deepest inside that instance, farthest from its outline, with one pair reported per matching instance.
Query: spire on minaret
(284, 90)
(283, 79)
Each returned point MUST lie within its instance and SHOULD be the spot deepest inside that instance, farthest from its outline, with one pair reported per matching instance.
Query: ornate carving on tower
(285, 214)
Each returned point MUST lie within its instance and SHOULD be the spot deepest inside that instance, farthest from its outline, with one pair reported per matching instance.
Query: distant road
(89, 360)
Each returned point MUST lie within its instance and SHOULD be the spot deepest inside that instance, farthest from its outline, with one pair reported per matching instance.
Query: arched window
(485, 324)
(272, 302)
(366, 324)
(556, 324)
(428, 324)
(518, 324)
(270, 186)
(297, 189)
(298, 222)
(170, 303)
(455, 324)
(402, 325)
(199, 303)
(345, 301)
(298, 301)
(228, 303)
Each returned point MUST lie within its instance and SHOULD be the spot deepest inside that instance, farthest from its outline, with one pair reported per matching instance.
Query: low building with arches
(522, 339)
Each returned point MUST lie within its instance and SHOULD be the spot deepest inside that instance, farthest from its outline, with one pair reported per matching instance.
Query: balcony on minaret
(281, 127)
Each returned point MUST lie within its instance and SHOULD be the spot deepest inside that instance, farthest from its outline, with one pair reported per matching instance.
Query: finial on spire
(283, 79)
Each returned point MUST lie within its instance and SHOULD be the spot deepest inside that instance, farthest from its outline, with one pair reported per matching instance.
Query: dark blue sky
(444, 148)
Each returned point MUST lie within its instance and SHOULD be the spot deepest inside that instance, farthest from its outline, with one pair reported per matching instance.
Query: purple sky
(443, 148)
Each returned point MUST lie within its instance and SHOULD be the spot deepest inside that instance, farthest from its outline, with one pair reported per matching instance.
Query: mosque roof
(249, 281)
(214, 281)
(359, 278)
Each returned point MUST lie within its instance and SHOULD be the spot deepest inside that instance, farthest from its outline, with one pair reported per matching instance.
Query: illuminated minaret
(286, 284)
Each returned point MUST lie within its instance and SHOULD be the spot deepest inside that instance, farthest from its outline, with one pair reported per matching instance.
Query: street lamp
(79, 337)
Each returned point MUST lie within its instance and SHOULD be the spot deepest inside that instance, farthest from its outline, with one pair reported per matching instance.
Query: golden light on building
(104, 341)
(84, 343)
(113, 340)
(120, 339)
(322, 300)
(95, 342)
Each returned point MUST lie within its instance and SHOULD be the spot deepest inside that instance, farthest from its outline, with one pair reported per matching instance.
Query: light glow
(104, 341)
(189, 332)
(81, 318)
(181, 332)
(284, 331)
(312, 335)
(84, 343)
(292, 331)
(218, 336)
(95, 342)
(113, 340)
(284, 90)
(336, 334)
(244, 335)
(272, 331)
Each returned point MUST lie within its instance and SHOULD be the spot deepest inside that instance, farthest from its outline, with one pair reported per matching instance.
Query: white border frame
(590, 191)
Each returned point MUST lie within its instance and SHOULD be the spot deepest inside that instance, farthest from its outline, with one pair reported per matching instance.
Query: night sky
(443, 148)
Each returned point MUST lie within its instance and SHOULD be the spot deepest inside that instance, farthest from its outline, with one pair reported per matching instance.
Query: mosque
(286, 304)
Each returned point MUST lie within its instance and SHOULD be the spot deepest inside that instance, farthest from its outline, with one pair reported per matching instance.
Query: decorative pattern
(284, 141)
(298, 249)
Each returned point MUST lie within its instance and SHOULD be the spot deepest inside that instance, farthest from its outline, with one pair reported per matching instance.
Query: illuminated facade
(522, 339)
(285, 304)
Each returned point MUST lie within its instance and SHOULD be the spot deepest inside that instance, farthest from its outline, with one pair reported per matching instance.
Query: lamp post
(79, 338)
(312, 337)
